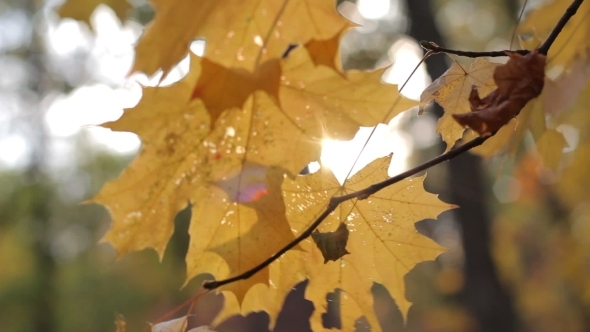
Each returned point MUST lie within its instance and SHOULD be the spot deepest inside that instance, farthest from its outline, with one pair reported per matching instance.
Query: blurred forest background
(512, 260)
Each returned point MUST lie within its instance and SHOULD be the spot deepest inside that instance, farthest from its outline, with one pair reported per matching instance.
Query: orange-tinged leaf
(452, 91)
(221, 88)
(573, 41)
(81, 10)
(239, 33)
(383, 242)
(326, 52)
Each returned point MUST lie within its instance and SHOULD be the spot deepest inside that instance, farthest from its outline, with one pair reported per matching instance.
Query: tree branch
(543, 49)
(469, 54)
(365, 193)
(569, 12)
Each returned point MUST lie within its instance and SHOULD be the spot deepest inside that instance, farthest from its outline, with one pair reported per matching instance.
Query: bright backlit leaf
(235, 225)
(210, 139)
(239, 33)
(383, 242)
(157, 185)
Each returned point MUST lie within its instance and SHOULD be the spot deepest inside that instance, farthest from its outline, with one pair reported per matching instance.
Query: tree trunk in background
(482, 295)
(43, 311)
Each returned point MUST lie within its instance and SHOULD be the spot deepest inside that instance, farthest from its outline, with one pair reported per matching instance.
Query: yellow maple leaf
(451, 91)
(383, 242)
(239, 33)
(235, 225)
(573, 41)
(156, 186)
(283, 274)
(81, 10)
(302, 104)
(325, 103)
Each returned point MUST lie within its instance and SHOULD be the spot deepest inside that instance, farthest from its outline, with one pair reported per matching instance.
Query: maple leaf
(326, 103)
(157, 185)
(209, 140)
(573, 41)
(197, 148)
(519, 80)
(235, 225)
(81, 10)
(304, 104)
(452, 91)
(239, 33)
(283, 274)
(535, 117)
(383, 242)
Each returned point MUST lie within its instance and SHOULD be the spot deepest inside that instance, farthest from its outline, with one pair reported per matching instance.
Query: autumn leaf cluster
(231, 137)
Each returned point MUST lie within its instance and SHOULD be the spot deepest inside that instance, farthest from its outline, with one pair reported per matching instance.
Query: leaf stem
(370, 190)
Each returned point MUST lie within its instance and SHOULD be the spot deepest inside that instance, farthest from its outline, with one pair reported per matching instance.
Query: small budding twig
(372, 189)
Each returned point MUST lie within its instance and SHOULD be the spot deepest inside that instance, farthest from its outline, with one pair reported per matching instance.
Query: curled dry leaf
(452, 90)
(519, 80)
(332, 244)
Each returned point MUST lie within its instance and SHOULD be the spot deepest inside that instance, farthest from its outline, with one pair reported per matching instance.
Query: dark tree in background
(482, 294)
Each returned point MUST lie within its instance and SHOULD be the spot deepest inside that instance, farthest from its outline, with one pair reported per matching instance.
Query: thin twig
(365, 193)
(518, 22)
(469, 54)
